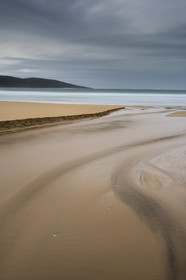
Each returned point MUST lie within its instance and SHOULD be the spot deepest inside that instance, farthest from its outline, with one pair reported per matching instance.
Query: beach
(25, 110)
(101, 198)
(16, 116)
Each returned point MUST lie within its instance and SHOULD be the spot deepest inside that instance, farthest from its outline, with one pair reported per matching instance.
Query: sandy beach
(24, 110)
(21, 115)
(102, 198)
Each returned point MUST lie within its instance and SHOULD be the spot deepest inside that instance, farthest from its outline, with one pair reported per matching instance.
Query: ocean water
(96, 96)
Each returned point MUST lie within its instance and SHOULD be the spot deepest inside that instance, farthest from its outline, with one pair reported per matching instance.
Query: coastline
(15, 116)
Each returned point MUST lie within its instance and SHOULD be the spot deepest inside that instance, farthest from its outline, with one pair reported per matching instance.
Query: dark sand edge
(31, 123)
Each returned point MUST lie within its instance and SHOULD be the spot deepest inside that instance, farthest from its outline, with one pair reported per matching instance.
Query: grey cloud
(168, 42)
(60, 19)
(105, 40)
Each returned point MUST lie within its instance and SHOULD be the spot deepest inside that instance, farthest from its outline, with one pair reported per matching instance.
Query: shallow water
(98, 199)
(96, 96)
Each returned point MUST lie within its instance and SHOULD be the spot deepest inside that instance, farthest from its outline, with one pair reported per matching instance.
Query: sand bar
(16, 115)
(178, 114)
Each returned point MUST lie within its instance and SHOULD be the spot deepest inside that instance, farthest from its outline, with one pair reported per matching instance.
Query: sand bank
(178, 114)
(20, 115)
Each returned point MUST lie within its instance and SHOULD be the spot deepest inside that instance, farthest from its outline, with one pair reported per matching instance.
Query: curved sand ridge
(154, 188)
(99, 199)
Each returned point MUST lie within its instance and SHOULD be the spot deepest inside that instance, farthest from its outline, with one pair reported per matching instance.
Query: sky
(96, 43)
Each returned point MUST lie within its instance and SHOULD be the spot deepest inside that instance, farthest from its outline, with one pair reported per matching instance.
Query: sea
(96, 96)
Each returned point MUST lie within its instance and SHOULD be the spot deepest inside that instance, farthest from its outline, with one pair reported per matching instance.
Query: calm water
(98, 96)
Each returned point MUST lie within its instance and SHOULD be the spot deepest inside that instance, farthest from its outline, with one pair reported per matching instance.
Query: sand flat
(96, 199)
(25, 110)
(178, 114)
(18, 116)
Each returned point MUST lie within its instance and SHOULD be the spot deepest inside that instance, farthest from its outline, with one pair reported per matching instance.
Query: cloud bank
(106, 44)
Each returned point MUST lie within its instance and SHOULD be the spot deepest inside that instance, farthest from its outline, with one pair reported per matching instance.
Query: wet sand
(178, 114)
(98, 199)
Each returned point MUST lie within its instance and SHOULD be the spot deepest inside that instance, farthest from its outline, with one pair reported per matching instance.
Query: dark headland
(14, 82)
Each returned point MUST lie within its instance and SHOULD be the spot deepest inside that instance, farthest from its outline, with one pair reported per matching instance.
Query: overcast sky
(96, 43)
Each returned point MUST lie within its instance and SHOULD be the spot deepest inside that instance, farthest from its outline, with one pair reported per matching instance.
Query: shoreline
(18, 116)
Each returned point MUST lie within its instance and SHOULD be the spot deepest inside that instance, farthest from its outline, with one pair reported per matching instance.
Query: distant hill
(13, 82)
